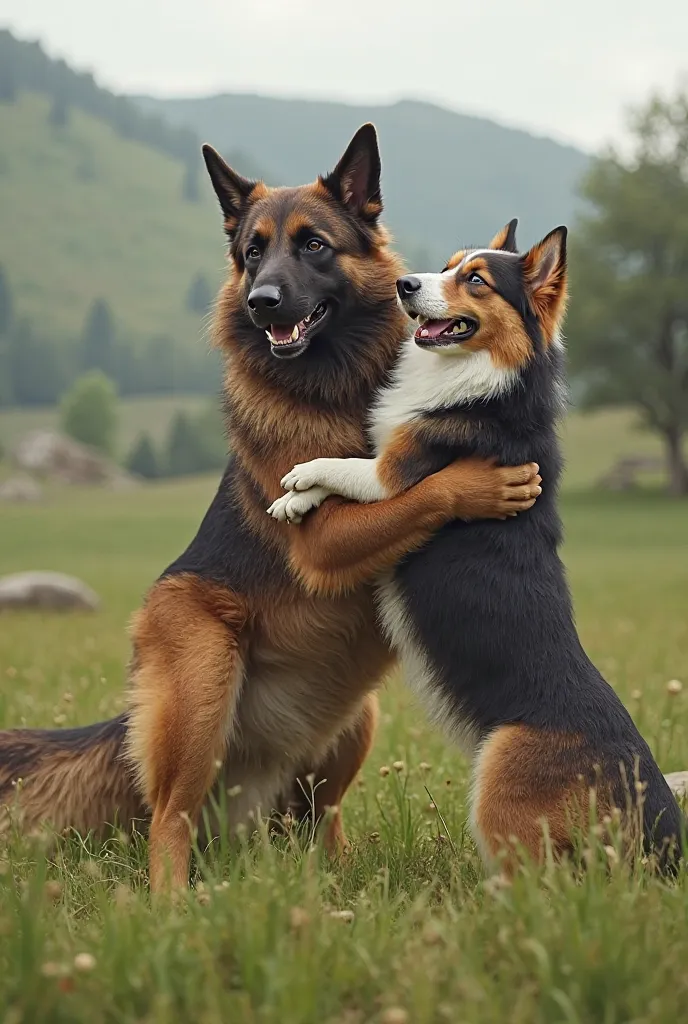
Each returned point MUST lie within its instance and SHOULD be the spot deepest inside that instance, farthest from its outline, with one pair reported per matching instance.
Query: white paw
(304, 475)
(293, 506)
(278, 509)
(301, 502)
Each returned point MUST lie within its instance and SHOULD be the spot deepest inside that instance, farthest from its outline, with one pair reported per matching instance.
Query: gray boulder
(678, 783)
(54, 456)
(20, 488)
(46, 591)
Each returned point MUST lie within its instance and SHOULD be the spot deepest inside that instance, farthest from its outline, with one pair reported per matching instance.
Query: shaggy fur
(482, 615)
(257, 654)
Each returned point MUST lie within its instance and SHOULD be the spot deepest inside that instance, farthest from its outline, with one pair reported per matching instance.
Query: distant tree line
(193, 443)
(36, 370)
(25, 67)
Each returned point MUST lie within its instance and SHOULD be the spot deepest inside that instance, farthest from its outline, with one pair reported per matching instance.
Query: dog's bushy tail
(67, 778)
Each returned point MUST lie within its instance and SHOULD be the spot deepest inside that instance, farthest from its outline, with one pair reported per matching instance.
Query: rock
(47, 591)
(623, 476)
(21, 488)
(678, 783)
(54, 456)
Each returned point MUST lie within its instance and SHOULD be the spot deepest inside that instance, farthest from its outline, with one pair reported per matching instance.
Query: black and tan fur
(481, 615)
(257, 654)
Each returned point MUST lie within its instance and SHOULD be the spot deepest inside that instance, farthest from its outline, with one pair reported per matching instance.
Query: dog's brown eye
(475, 279)
(314, 245)
(253, 252)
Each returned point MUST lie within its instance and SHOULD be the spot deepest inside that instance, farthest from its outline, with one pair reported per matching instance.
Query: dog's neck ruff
(428, 381)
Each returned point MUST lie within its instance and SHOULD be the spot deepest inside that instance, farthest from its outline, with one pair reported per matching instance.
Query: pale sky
(565, 68)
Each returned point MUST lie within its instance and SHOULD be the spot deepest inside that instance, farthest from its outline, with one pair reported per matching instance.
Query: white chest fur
(424, 381)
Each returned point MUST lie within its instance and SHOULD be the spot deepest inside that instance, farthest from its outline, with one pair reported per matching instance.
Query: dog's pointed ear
(355, 181)
(231, 189)
(545, 277)
(506, 238)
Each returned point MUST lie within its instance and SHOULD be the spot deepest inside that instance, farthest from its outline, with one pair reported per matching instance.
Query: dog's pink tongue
(432, 328)
(281, 332)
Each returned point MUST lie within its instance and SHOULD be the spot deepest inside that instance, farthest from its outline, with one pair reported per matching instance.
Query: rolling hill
(104, 198)
(86, 214)
(447, 178)
(99, 201)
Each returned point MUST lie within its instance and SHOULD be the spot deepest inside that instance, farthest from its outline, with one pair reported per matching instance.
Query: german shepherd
(481, 615)
(256, 655)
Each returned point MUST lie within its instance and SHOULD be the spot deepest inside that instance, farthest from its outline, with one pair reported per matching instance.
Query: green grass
(262, 938)
(86, 214)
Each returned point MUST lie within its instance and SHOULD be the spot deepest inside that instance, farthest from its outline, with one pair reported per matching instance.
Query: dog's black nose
(264, 298)
(408, 285)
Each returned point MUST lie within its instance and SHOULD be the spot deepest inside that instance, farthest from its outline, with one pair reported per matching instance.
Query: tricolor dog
(481, 615)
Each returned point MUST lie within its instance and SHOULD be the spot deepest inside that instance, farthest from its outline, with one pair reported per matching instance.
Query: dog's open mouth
(290, 340)
(438, 333)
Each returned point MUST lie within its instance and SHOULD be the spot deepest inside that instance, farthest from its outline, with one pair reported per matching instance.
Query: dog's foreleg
(355, 479)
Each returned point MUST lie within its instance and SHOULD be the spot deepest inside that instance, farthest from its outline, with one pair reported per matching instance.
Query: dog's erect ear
(544, 275)
(506, 238)
(355, 181)
(231, 189)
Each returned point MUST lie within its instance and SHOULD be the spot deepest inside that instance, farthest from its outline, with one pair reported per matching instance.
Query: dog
(257, 655)
(481, 615)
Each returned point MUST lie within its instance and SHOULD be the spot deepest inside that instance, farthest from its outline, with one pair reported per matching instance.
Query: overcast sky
(566, 68)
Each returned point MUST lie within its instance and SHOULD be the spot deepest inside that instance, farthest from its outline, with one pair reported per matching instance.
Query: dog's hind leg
(334, 775)
(528, 785)
(185, 683)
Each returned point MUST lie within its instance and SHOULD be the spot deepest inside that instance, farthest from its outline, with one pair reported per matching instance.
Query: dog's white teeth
(456, 329)
(424, 333)
(269, 336)
(295, 333)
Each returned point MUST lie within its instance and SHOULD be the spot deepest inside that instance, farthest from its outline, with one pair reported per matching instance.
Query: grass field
(406, 928)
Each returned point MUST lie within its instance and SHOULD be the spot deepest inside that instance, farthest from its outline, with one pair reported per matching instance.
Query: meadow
(406, 928)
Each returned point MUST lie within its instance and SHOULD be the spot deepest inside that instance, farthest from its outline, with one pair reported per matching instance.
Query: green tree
(199, 296)
(98, 342)
(142, 458)
(195, 444)
(88, 412)
(628, 326)
(213, 440)
(6, 304)
(157, 365)
(183, 447)
(36, 368)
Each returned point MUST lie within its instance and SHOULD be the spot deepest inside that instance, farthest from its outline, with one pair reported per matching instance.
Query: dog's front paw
(293, 506)
(299, 503)
(278, 509)
(304, 475)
